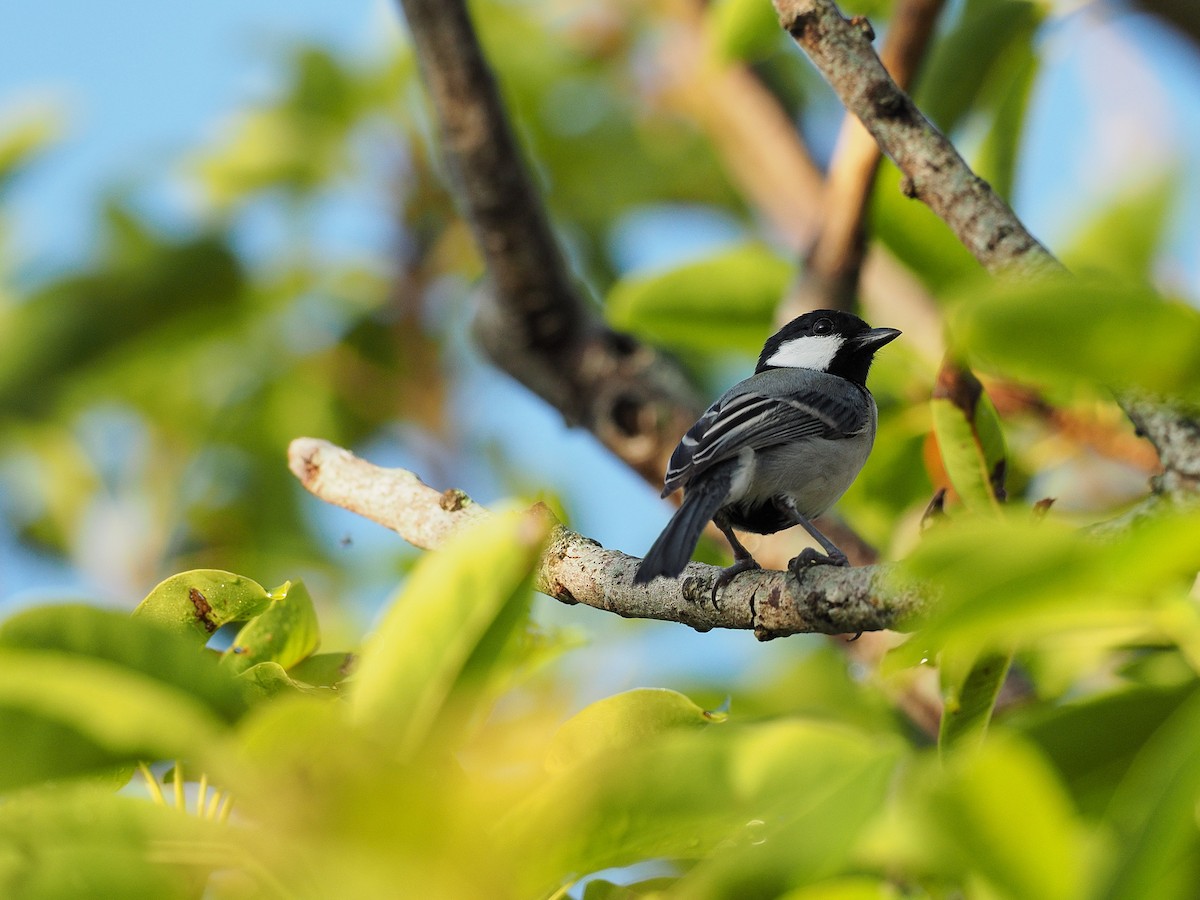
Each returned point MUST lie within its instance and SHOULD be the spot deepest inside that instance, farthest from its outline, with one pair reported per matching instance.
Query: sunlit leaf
(448, 626)
(23, 138)
(996, 802)
(969, 437)
(1154, 812)
(621, 721)
(1124, 238)
(964, 59)
(969, 694)
(742, 29)
(137, 644)
(201, 601)
(66, 715)
(1009, 579)
(723, 302)
(89, 843)
(686, 793)
(1073, 332)
(284, 633)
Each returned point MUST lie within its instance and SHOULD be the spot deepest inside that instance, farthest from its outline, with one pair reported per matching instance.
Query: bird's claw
(728, 574)
(810, 557)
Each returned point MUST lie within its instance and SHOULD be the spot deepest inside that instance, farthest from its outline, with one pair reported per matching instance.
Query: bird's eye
(822, 326)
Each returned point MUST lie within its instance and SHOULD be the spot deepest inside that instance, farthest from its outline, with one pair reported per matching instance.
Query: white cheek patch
(813, 351)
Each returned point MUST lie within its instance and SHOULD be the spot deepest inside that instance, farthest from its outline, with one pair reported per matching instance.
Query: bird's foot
(809, 557)
(727, 575)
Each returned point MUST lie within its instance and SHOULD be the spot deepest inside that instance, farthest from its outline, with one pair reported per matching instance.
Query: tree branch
(533, 322)
(576, 569)
(986, 225)
(934, 172)
(830, 275)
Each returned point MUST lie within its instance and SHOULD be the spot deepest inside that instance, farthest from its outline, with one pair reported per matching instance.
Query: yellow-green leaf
(284, 633)
(447, 628)
(721, 303)
(202, 600)
(969, 437)
(624, 720)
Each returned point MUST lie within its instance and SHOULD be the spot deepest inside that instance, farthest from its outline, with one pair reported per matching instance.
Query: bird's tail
(671, 552)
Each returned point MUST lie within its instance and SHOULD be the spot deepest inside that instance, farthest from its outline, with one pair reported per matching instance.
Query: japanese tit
(777, 449)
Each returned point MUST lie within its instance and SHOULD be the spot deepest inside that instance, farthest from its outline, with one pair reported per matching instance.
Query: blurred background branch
(533, 322)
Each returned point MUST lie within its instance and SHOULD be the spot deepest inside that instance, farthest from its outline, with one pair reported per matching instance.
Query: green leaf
(742, 29)
(997, 157)
(920, 239)
(1154, 812)
(786, 796)
(969, 438)
(969, 697)
(1093, 741)
(23, 139)
(616, 723)
(141, 646)
(1124, 238)
(269, 679)
(201, 601)
(846, 888)
(721, 303)
(284, 633)
(324, 669)
(967, 57)
(444, 635)
(73, 323)
(1080, 332)
(66, 715)
(1001, 581)
(89, 843)
(1000, 812)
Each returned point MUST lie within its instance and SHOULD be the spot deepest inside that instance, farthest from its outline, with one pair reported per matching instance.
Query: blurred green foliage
(442, 754)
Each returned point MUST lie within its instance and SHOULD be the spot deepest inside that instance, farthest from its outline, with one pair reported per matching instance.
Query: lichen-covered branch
(933, 170)
(533, 322)
(576, 569)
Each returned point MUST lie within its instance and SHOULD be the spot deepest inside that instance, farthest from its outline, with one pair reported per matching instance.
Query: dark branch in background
(576, 569)
(829, 278)
(533, 323)
(933, 170)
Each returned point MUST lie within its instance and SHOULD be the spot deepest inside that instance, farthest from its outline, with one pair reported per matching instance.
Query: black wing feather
(752, 415)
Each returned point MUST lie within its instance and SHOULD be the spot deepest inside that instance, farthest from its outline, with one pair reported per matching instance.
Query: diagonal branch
(831, 270)
(933, 169)
(935, 173)
(533, 322)
(576, 569)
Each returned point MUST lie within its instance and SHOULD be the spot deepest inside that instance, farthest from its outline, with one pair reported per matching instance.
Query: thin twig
(576, 569)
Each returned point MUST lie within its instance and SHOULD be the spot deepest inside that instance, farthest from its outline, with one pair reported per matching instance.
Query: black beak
(876, 338)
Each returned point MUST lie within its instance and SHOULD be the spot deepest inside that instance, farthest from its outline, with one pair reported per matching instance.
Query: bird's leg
(742, 560)
(808, 556)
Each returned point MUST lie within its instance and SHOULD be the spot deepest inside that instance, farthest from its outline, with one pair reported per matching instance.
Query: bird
(778, 448)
